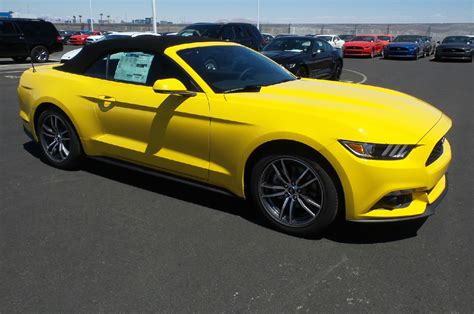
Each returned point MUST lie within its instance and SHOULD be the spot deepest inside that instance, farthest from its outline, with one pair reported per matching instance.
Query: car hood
(282, 56)
(403, 44)
(359, 43)
(353, 112)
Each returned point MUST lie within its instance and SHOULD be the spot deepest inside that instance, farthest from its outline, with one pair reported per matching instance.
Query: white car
(94, 38)
(334, 40)
(71, 54)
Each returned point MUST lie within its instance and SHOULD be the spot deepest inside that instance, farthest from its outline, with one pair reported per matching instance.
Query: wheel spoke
(51, 145)
(48, 131)
(306, 208)
(60, 150)
(301, 176)
(274, 194)
(307, 183)
(290, 211)
(64, 149)
(310, 200)
(282, 210)
(53, 148)
(284, 171)
(272, 187)
(279, 174)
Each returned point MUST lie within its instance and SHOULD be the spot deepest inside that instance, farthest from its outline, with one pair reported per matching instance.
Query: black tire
(337, 71)
(302, 72)
(329, 204)
(19, 59)
(39, 54)
(45, 130)
(416, 56)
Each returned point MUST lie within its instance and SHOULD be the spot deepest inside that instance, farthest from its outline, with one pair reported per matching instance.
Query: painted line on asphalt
(10, 72)
(12, 77)
(364, 77)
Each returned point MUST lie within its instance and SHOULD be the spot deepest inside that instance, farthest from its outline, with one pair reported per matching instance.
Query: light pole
(153, 4)
(92, 19)
(258, 14)
(101, 16)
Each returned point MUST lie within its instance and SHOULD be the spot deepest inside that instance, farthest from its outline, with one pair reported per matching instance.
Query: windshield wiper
(248, 88)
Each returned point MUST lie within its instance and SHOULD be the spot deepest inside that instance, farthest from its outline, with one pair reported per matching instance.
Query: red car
(81, 38)
(386, 39)
(363, 45)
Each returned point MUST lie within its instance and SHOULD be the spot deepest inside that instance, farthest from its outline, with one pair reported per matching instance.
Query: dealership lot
(108, 239)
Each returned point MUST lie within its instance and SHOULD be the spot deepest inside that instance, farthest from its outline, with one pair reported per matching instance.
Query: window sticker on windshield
(133, 67)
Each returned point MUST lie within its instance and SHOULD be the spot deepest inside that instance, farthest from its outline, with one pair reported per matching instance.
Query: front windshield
(383, 37)
(229, 68)
(363, 38)
(210, 30)
(407, 39)
(346, 37)
(458, 40)
(326, 38)
(289, 44)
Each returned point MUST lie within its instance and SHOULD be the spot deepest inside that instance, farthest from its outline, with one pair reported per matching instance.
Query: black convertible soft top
(146, 43)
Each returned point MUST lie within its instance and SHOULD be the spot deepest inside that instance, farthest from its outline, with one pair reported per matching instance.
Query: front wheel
(58, 140)
(294, 193)
(39, 54)
(301, 72)
(336, 74)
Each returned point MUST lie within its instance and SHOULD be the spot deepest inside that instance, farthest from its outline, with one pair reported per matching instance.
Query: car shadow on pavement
(342, 232)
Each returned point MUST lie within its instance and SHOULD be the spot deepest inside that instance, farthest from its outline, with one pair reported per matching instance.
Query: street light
(92, 19)
(153, 5)
(258, 14)
(101, 15)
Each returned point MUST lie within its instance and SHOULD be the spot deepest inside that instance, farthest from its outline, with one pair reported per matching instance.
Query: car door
(12, 42)
(162, 131)
(322, 58)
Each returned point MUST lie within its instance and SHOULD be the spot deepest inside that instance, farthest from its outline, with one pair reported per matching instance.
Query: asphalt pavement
(109, 239)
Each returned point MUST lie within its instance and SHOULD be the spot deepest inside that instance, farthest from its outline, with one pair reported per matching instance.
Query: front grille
(354, 47)
(436, 152)
(453, 50)
(398, 49)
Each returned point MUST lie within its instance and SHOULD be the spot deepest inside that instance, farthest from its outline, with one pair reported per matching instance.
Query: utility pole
(101, 17)
(153, 4)
(92, 19)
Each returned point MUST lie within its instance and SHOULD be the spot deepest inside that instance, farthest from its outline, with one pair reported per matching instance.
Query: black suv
(23, 38)
(242, 33)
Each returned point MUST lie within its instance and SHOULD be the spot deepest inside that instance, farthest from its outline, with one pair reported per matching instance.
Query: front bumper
(400, 53)
(467, 55)
(357, 52)
(367, 182)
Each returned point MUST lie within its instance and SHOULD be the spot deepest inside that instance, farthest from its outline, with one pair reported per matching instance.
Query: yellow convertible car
(219, 114)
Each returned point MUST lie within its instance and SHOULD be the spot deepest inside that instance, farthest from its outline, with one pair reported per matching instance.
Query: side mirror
(438, 42)
(172, 86)
(318, 52)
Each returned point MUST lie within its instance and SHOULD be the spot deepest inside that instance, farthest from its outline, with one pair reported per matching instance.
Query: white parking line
(11, 76)
(364, 77)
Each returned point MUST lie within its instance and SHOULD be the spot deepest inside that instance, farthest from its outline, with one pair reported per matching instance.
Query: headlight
(378, 151)
(289, 65)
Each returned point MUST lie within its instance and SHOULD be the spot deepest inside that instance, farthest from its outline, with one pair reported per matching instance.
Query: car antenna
(27, 48)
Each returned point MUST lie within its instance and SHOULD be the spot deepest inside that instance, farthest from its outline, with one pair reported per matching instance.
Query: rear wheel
(58, 139)
(19, 59)
(294, 193)
(337, 71)
(39, 54)
(302, 72)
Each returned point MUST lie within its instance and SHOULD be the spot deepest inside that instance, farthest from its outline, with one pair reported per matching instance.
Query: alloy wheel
(40, 54)
(291, 192)
(55, 138)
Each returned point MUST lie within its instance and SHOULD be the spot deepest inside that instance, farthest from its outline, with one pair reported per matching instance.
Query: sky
(271, 11)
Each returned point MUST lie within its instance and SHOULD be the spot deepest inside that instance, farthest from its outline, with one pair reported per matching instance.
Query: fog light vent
(394, 200)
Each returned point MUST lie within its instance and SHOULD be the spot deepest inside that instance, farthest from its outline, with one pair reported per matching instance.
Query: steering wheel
(244, 73)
